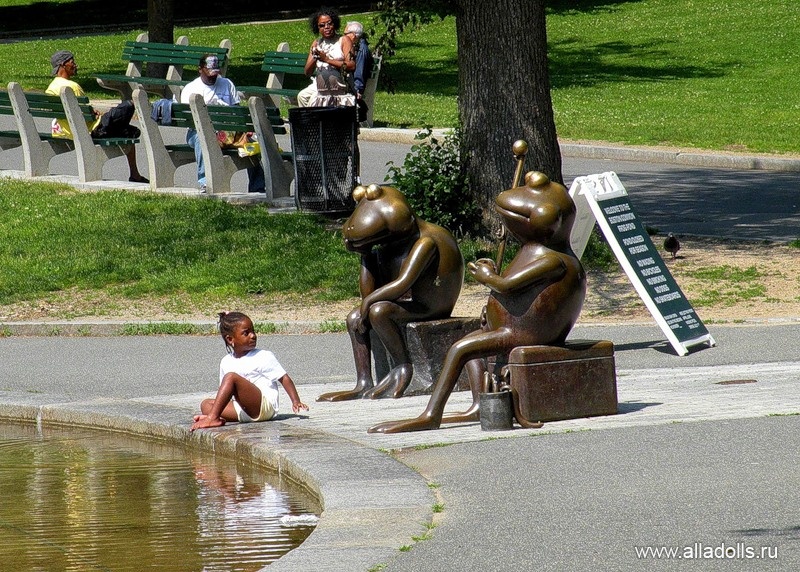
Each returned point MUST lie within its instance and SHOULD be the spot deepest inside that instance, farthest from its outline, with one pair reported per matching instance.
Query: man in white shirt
(216, 90)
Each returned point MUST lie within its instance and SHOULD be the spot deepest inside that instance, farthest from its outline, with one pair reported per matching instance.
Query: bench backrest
(43, 105)
(5, 104)
(226, 118)
(140, 52)
(174, 54)
(223, 117)
(284, 62)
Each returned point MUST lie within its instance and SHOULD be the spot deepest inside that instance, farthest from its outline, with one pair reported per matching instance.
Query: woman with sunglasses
(329, 59)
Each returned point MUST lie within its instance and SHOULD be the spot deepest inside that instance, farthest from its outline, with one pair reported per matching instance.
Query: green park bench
(286, 76)
(176, 56)
(9, 138)
(221, 164)
(39, 147)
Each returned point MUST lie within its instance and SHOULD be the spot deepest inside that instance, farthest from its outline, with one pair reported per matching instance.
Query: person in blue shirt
(364, 63)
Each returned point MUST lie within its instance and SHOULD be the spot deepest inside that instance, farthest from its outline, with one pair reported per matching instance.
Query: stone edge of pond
(372, 504)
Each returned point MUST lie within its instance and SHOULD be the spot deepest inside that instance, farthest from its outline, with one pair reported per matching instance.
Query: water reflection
(88, 500)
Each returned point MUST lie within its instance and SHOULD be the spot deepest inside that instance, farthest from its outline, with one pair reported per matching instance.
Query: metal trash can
(325, 157)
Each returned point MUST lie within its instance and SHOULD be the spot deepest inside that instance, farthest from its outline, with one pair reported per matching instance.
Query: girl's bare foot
(205, 422)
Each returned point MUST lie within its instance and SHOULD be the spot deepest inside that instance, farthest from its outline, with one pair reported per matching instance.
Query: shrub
(598, 254)
(432, 180)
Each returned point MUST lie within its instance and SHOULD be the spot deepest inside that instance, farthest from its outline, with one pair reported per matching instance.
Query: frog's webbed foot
(471, 414)
(421, 423)
(396, 382)
(356, 393)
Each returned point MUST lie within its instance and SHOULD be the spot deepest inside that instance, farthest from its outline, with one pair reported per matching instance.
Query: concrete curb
(594, 150)
(681, 157)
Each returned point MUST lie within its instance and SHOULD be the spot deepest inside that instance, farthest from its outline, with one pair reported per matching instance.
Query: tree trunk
(160, 29)
(504, 94)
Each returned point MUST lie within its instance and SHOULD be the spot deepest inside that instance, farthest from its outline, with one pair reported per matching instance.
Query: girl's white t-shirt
(260, 367)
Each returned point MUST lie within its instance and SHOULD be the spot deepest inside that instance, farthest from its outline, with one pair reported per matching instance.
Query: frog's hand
(545, 269)
(418, 259)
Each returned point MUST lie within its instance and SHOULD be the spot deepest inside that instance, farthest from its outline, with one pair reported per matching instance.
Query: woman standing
(329, 59)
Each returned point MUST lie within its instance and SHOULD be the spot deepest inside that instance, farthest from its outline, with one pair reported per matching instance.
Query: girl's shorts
(266, 413)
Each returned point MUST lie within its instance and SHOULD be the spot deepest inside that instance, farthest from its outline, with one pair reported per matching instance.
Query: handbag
(233, 139)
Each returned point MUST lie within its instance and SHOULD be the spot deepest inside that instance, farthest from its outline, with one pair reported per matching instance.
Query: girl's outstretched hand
(296, 407)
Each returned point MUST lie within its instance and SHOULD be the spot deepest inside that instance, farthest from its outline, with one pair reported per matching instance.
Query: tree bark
(160, 29)
(504, 94)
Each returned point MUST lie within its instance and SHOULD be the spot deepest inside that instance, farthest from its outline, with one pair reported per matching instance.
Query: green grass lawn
(134, 245)
(714, 74)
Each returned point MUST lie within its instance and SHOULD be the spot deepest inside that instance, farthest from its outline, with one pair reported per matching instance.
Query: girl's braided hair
(226, 324)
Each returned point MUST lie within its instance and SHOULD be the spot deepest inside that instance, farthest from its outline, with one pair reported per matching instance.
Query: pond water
(84, 500)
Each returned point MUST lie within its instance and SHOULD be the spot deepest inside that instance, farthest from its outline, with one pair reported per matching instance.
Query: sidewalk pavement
(703, 451)
(689, 429)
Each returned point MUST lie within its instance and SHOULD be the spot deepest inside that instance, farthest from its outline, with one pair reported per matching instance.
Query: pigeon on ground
(672, 245)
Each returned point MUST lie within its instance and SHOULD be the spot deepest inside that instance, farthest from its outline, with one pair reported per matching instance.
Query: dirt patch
(726, 281)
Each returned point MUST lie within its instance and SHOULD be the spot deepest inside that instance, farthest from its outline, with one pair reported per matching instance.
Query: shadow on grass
(574, 64)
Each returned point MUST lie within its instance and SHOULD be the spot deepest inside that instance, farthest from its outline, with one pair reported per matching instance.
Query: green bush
(432, 180)
(598, 254)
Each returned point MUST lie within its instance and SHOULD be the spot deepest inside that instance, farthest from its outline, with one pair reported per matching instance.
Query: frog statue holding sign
(535, 300)
(411, 271)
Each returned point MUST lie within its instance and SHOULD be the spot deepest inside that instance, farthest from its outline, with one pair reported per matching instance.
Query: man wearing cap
(64, 69)
(216, 90)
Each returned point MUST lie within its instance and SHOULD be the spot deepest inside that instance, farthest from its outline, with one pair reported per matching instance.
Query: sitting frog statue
(411, 270)
(535, 300)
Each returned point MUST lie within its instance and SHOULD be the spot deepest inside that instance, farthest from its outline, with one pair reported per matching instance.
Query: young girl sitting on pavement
(248, 386)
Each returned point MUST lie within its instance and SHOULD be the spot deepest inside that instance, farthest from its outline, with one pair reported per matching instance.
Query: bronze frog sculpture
(535, 300)
(411, 270)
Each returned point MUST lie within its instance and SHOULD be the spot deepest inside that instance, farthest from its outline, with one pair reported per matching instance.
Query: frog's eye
(534, 179)
(359, 192)
(374, 192)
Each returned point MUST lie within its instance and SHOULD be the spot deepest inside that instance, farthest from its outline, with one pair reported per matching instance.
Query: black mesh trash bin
(325, 157)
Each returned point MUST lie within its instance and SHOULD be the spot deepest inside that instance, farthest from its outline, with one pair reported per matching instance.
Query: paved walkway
(702, 457)
(713, 400)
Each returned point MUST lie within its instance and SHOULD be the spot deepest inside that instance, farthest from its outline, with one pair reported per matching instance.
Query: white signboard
(602, 198)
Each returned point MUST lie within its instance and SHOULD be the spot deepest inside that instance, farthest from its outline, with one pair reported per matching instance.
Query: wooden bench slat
(44, 105)
(144, 80)
(260, 90)
(283, 68)
(145, 47)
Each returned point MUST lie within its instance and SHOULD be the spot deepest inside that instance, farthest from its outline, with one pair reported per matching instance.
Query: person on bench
(330, 55)
(357, 81)
(113, 123)
(216, 90)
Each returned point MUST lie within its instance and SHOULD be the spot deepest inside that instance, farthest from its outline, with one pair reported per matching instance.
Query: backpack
(116, 122)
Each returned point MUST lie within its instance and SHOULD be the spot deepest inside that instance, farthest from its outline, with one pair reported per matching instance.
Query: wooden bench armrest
(37, 148)
(162, 160)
